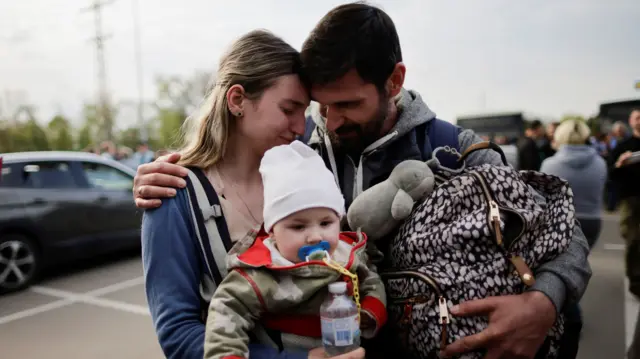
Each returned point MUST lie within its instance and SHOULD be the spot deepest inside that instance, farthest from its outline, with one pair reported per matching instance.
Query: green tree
(60, 134)
(182, 94)
(170, 122)
(36, 135)
(176, 98)
(6, 138)
(101, 127)
(84, 139)
(129, 137)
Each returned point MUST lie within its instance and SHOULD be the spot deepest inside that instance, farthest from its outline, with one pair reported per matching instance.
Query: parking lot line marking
(87, 299)
(116, 287)
(68, 298)
(613, 217)
(631, 307)
(614, 247)
(36, 310)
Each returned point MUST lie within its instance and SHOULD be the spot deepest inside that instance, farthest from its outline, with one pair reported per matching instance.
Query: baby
(274, 288)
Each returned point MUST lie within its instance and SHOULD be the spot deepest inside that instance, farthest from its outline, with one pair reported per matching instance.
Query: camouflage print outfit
(265, 294)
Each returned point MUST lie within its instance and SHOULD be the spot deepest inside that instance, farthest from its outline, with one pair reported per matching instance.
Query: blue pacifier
(314, 251)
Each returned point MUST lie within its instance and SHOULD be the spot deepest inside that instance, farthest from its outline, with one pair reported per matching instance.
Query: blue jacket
(172, 272)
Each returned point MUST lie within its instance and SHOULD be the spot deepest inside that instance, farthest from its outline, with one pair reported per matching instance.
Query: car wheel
(19, 262)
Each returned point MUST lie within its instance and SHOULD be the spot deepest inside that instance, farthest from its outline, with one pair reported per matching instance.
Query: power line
(136, 35)
(102, 106)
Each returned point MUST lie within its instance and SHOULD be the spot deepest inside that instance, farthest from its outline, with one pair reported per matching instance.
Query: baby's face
(305, 227)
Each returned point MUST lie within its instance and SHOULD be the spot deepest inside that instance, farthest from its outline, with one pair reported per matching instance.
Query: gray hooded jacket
(564, 278)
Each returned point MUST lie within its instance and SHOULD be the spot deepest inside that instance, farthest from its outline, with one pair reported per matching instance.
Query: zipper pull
(524, 272)
(444, 320)
(494, 213)
(444, 311)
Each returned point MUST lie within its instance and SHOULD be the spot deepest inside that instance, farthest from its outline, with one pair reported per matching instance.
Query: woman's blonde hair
(571, 132)
(254, 61)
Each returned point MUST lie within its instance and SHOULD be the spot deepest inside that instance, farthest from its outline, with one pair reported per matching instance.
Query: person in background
(143, 155)
(108, 150)
(599, 142)
(586, 172)
(124, 153)
(625, 175)
(529, 157)
(618, 134)
(579, 164)
(548, 147)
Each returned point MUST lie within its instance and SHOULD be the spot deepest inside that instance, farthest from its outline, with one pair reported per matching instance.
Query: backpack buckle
(448, 151)
(212, 211)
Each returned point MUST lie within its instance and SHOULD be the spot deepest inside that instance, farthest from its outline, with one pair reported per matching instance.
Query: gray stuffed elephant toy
(381, 208)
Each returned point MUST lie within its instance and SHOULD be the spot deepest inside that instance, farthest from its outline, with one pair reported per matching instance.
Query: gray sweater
(586, 173)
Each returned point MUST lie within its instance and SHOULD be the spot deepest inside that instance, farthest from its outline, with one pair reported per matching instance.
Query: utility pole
(102, 104)
(138, 54)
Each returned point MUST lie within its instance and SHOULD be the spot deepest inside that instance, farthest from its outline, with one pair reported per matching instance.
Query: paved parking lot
(99, 310)
(92, 311)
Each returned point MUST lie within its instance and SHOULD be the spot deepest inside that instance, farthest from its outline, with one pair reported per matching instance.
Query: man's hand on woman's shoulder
(157, 180)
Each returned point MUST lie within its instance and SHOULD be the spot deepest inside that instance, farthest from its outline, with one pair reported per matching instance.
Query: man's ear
(235, 100)
(396, 80)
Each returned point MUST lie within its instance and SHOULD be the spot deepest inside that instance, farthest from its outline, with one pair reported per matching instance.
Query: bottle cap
(338, 288)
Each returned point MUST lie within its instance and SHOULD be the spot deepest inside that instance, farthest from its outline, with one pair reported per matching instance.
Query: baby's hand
(367, 322)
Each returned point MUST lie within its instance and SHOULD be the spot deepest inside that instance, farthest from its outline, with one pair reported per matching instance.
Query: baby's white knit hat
(295, 178)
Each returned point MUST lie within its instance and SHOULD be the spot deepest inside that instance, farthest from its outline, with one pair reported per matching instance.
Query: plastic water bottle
(340, 326)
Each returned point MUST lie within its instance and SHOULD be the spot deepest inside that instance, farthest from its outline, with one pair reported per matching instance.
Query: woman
(579, 164)
(257, 102)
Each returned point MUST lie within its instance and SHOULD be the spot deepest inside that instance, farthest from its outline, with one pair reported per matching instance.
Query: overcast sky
(547, 57)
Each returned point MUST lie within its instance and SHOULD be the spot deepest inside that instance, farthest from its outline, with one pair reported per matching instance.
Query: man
(529, 151)
(625, 175)
(369, 124)
(547, 148)
(618, 134)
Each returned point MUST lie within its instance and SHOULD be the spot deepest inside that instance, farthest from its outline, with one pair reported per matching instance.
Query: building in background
(502, 128)
(611, 112)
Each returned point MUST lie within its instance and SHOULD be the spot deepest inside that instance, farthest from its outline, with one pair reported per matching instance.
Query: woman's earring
(239, 114)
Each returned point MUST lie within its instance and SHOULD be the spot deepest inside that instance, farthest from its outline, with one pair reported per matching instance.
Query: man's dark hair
(355, 35)
(535, 124)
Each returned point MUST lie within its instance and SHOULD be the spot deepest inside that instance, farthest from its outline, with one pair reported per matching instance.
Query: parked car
(56, 207)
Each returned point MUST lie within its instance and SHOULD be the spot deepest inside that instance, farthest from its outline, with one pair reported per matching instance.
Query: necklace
(246, 206)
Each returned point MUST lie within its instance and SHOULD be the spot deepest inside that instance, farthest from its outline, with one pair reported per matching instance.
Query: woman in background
(584, 169)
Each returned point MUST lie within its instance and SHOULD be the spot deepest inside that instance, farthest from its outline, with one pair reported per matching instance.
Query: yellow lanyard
(354, 279)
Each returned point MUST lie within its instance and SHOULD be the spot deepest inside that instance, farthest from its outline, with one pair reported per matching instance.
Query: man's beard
(353, 139)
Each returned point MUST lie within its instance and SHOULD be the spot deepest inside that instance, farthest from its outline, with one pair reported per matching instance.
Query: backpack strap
(438, 133)
(211, 228)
